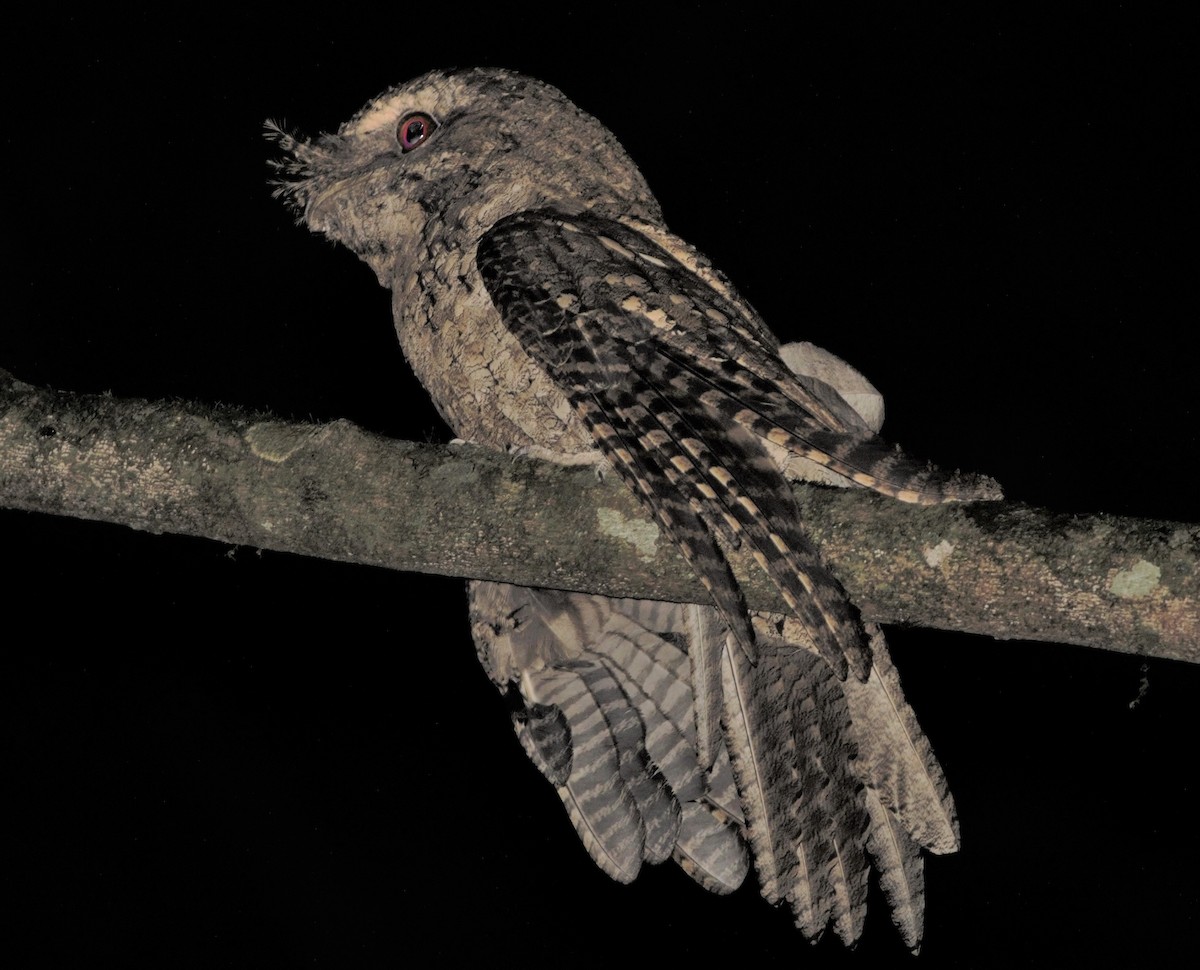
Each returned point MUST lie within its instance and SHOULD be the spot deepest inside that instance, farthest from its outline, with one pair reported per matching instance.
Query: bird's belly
(486, 387)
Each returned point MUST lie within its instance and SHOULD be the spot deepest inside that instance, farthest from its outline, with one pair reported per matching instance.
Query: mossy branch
(335, 491)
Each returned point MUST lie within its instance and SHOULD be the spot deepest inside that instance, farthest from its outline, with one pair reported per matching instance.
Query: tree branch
(334, 491)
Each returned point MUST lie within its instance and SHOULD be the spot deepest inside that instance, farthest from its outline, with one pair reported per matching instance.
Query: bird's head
(446, 156)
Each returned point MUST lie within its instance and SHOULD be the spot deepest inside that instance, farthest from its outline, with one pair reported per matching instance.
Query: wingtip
(743, 635)
(853, 658)
(860, 662)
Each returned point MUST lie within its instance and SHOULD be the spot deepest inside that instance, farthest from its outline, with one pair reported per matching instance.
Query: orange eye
(414, 129)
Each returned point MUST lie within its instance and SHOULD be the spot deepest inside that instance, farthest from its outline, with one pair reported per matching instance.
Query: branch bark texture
(335, 491)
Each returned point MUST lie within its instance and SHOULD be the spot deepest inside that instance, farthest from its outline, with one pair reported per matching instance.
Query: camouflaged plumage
(546, 307)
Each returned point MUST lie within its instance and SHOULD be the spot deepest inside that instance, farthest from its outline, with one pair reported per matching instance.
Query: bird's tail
(821, 778)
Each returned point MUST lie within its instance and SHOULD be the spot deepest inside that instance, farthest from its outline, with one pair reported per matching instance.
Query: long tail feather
(711, 850)
(896, 758)
(706, 645)
(788, 733)
(901, 870)
(599, 803)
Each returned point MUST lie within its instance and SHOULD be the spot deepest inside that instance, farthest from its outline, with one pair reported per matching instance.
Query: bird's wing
(681, 385)
(829, 776)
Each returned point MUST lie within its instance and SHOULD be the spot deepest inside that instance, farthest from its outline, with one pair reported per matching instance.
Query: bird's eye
(414, 129)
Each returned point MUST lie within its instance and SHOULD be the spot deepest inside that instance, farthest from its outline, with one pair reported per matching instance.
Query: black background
(224, 757)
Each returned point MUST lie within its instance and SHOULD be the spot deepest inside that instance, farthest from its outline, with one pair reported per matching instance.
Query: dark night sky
(219, 757)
